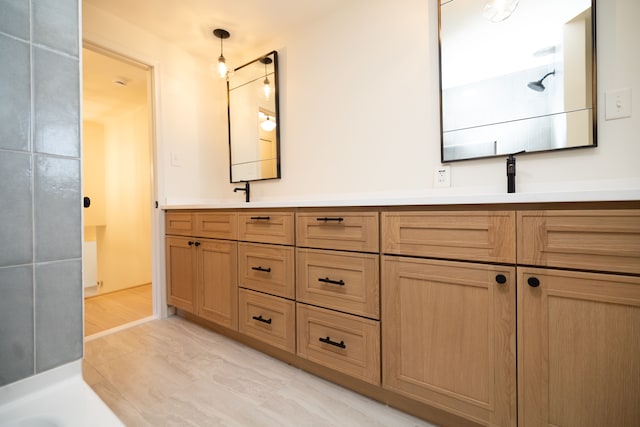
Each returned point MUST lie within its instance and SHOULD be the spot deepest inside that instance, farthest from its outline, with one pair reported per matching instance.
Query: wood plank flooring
(171, 372)
(103, 312)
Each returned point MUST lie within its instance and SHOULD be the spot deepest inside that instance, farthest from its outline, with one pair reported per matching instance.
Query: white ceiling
(111, 85)
(188, 24)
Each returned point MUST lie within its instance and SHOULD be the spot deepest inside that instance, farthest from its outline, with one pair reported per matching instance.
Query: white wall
(373, 80)
(360, 110)
(124, 241)
(190, 114)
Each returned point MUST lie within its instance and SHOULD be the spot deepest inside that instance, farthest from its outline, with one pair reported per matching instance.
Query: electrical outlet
(442, 177)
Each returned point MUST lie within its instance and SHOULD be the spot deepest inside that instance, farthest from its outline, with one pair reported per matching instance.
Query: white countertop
(431, 198)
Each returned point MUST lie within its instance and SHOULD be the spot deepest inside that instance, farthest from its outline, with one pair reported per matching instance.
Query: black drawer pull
(197, 244)
(262, 319)
(534, 282)
(258, 268)
(327, 219)
(260, 218)
(333, 282)
(501, 279)
(327, 340)
(191, 243)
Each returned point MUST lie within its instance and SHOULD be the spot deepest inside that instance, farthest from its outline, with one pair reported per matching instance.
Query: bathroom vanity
(506, 314)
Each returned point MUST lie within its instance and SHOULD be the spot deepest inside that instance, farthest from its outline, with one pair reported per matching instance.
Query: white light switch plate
(442, 177)
(617, 104)
(175, 160)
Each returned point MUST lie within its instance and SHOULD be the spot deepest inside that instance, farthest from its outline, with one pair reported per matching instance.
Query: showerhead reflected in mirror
(537, 85)
(254, 133)
(524, 80)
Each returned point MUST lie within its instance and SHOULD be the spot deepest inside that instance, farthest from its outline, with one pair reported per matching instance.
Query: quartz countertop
(432, 198)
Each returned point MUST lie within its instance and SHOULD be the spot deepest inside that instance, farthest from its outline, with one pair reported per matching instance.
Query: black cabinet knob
(86, 202)
(190, 243)
(534, 282)
(501, 279)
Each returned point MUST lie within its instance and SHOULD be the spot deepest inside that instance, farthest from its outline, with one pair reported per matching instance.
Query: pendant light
(499, 10)
(222, 63)
(267, 84)
(268, 125)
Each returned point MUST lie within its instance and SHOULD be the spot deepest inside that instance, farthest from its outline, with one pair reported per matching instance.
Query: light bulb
(499, 10)
(222, 66)
(268, 125)
(267, 88)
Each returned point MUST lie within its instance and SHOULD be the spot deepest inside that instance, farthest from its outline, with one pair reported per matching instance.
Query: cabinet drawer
(343, 281)
(267, 318)
(178, 223)
(342, 342)
(605, 240)
(266, 268)
(217, 225)
(470, 236)
(266, 227)
(350, 231)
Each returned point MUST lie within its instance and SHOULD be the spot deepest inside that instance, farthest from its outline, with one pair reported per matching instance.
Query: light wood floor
(171, 372)
(103, 312)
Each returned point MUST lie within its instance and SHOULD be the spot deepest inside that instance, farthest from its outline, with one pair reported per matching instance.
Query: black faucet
(246, 190)
(511, 172)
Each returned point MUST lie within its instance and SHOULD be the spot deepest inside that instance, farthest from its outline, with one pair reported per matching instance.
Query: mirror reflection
(516, 75)
(254, 143)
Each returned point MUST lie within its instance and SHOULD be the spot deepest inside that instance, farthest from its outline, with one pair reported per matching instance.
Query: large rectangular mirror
(254, 131)
(516, 75)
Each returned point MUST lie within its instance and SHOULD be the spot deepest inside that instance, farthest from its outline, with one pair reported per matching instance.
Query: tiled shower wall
(40, 200)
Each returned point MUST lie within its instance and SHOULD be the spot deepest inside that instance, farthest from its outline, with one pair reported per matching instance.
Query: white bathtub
(55, 398)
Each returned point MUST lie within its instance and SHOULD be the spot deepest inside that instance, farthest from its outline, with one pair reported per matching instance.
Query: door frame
(160, 309)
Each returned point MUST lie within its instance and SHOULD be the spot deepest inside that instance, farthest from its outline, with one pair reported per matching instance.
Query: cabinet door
(448, 336)
(181, 268)
(578, 349)
(217, 264)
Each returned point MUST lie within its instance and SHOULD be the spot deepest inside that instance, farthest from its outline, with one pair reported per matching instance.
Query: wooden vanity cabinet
(202, 272)
(266, 275)
(338, 291)
(525, 317)
(579, 331)
(449, 327)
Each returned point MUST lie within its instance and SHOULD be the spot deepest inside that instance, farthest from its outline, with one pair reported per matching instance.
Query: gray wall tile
(16, 323)
(15, 108)
(14, 18)
(56, 94)
(58, 313)
(16, 219)
(57, 208)
(55, 24)
(54, 220)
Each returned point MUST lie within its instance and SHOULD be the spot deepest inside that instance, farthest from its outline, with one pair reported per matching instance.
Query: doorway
(117, 151)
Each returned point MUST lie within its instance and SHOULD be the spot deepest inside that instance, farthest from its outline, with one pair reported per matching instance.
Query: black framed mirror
(516, 75)
(253, 119)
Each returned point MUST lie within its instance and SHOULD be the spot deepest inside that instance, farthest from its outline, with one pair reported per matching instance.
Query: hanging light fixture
(267, 84)
(499, 10)
(222, 63)
(268, 125)
(267, 122)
